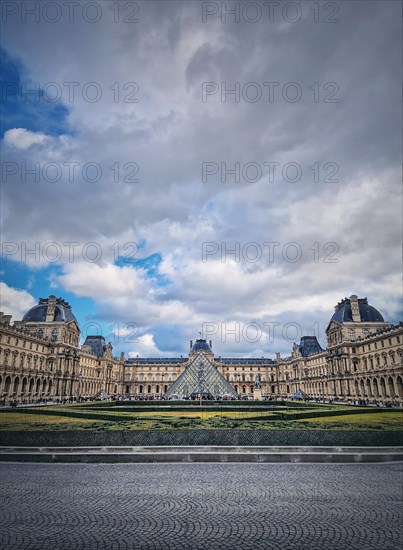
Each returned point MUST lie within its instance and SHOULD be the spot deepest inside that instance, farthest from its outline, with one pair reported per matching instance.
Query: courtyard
(201, 506)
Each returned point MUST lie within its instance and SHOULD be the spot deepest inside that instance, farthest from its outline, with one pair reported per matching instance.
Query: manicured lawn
(19, 421)
(381, 421)
(68, 417)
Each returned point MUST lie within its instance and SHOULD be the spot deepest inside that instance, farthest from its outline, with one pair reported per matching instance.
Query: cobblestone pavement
(201, 506)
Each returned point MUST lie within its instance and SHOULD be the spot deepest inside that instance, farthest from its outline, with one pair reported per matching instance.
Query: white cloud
(14, 301)
(23, 139)
(145, 347)
(102, 281)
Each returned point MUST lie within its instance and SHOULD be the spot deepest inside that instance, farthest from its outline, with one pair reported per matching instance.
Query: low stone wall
(373, 438)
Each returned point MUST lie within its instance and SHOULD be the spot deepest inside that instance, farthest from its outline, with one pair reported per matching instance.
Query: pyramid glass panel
(201, 376)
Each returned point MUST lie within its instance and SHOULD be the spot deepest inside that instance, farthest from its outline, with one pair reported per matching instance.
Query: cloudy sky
(170, 168)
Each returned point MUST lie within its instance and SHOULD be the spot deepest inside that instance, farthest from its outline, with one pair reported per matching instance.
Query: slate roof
(367, 312)
(37, 314)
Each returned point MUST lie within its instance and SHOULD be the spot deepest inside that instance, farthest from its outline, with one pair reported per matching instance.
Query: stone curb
(324, 455)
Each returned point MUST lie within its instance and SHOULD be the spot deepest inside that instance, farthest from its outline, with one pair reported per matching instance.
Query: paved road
(201, 506)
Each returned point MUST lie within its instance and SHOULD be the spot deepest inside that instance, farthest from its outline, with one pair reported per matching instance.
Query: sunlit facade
(41, 359)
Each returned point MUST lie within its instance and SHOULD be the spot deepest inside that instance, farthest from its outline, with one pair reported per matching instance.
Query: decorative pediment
(333, 325)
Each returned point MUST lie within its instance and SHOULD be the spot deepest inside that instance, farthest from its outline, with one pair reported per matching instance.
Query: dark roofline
(156, 360)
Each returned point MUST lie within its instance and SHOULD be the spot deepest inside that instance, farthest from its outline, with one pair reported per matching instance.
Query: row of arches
(385, 387)
(159, 389)
(143, 379)
(25, 387)
(150, 389)
(17, 387)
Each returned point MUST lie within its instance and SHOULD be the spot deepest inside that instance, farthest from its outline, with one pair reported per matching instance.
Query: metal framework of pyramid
(200, 376)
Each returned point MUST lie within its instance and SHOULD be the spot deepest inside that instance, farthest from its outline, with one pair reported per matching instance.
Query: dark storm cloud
(171, 132)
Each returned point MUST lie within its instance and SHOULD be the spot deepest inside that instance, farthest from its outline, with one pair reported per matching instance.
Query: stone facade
(40, 358)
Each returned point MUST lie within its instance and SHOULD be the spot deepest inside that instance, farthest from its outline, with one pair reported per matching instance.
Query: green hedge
(323, 413)
(375, 438)
(68, 413)
(196, 404)
(71, 412)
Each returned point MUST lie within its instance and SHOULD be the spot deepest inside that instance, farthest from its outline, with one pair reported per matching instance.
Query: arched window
(351, 334)
(55, 335)
(140, 389)
(7, 385)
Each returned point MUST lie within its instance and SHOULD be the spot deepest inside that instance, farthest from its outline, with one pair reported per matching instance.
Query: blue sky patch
(21, 109)
(150, 265)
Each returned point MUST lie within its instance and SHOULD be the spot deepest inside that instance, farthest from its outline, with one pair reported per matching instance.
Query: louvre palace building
(41, 359)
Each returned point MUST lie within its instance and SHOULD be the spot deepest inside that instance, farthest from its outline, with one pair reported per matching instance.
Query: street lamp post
(237, 381)
(80, 375)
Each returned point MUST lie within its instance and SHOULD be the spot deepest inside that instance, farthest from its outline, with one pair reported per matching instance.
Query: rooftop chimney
(50, 312)
(5, 319)
(355, 310)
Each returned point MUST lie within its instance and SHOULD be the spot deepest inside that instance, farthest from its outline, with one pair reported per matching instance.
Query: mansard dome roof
(309, 346)
(62, 311)
(201, 345)
(368, 313)
(97, 345)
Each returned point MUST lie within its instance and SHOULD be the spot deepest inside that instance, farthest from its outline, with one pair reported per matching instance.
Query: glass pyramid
(201, 376)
